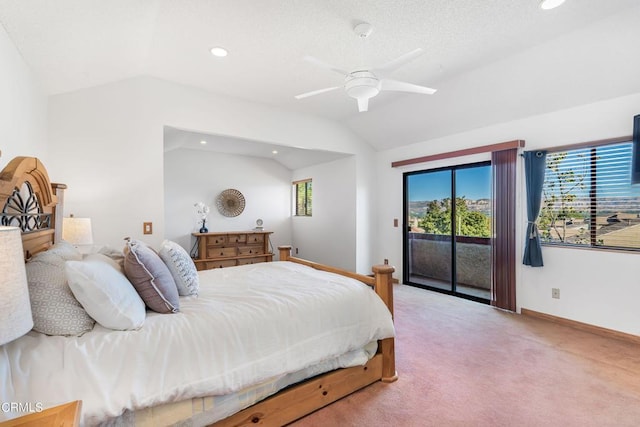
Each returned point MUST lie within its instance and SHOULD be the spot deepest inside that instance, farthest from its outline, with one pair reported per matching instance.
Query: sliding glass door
(448, 230)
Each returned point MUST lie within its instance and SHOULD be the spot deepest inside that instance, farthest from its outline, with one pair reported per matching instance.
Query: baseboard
(609, 333)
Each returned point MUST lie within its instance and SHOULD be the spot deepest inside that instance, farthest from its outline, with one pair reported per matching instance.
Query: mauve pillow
(150, 276)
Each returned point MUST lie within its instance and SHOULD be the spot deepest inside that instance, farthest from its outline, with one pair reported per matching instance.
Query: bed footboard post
(285, 252)
(384, 288)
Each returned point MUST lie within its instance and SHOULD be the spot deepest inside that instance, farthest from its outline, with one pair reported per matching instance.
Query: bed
(260, 344)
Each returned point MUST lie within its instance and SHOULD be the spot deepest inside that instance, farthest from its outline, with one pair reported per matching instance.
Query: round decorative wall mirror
(230, 202)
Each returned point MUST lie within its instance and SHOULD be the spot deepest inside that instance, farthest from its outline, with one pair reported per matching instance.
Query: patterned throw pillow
(151, 277)
(181, 267)
(55, 310)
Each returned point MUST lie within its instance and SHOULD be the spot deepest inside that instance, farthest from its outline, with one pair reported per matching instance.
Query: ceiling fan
(365, 84)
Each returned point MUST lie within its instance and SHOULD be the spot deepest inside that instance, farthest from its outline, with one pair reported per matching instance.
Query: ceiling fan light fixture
(550, 4)
(366, 92)
(362, 85)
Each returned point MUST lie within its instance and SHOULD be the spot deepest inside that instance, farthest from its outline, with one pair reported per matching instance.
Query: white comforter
(249, 324)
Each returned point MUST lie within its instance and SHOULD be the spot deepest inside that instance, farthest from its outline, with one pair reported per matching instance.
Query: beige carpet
(462, 363)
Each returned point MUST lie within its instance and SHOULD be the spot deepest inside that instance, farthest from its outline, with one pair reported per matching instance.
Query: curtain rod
(517, 143)
(589, 144)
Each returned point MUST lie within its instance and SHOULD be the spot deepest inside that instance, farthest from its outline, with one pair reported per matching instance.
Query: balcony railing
(430, 256)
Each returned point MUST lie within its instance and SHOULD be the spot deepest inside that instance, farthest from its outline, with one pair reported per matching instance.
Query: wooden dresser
(229, 248)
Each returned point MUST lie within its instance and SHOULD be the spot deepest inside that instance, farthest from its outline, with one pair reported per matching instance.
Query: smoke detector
(363, 30)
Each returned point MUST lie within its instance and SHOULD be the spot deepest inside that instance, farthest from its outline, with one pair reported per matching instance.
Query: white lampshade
(15, 308)
(77, 231)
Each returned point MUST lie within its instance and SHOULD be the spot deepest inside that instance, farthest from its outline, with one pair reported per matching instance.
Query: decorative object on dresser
(15, 308)
(230, 248)
(203, 211)
(230, 202)
(259, 224)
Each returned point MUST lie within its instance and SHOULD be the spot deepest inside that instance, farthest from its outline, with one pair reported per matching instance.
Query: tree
(437, 219)
(559, 196)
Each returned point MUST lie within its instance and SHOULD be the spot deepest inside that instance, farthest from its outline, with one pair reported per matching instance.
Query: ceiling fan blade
(363, 104)
(322, 64)
(316, 92)
(398, 86)
(401, 60)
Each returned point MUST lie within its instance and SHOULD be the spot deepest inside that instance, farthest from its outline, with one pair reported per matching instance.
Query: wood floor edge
(598, 330)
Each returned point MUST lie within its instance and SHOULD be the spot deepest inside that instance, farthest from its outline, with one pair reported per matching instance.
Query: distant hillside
(419, 208)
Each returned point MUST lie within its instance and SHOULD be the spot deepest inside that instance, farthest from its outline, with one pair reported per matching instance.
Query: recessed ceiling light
(203, 142)
(219, 51)
(274, 152)
(550, 4)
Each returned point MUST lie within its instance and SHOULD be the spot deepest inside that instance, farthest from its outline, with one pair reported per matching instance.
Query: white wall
(106, 144)
(191, 176)
(329, 235)
(596, 287)
(23, 107)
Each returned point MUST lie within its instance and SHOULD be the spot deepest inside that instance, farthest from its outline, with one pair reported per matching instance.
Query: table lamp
(15, 307)
(77, 231)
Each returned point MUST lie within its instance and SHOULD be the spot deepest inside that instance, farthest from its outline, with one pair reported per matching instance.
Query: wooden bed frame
(30, 201)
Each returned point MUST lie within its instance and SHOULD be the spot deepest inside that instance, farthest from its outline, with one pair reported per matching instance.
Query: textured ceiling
(73, 44)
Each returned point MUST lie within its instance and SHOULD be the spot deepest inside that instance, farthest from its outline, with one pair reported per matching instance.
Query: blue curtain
(534, 167)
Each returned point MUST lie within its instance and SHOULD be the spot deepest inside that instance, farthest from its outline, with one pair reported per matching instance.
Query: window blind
(588, 199)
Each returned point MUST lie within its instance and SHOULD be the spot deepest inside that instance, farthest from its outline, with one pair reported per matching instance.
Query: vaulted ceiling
(491, 60)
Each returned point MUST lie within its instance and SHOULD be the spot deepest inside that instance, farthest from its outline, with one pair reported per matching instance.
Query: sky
(473, 183)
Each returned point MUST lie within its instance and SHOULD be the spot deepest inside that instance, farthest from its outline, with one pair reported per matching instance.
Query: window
(303, 192)
(588, 200)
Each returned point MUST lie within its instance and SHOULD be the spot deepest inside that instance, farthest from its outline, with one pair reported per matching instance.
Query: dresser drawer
(250, 250)
(255, 260)
(236, 238)
(208, 265)
(255, 238)
(217, 251)
(216, 240)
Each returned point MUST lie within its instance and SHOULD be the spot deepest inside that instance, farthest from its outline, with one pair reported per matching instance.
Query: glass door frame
(405, 234)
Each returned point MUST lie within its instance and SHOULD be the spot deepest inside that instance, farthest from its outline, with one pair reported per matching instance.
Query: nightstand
(65, 415)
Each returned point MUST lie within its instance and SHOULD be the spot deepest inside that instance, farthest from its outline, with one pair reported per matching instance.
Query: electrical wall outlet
(555, 293)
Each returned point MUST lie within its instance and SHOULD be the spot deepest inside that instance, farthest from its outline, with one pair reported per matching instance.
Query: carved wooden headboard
(32, 203)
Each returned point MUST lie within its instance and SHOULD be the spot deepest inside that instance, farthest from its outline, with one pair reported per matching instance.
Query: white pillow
(181, 267)
(105, 293)
(104, 257)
